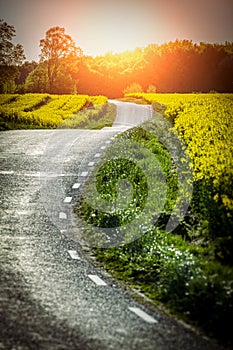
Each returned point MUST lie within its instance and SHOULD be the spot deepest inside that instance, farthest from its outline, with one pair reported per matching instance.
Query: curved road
(51, 295)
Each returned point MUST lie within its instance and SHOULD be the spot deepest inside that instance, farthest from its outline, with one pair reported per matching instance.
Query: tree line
(180, 66)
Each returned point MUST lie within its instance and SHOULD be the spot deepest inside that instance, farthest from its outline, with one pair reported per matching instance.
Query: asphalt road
(51, 295)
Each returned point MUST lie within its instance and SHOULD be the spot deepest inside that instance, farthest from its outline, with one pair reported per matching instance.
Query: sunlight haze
(101, 26)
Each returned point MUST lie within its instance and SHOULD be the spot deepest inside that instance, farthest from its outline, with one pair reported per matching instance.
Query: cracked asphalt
(47, 299)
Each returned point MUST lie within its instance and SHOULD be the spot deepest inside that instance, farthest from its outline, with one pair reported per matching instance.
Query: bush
(134, 87)
(151, 89)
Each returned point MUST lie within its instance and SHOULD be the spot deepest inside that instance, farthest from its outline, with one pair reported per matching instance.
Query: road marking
(143, 315)
(37, 153)
(103, 147)
(62, 216)
(77, 185)
(74, 255)
(11, 172)
(91, 163)
(97, 155)
(47, 175)
(84, 173)
(22, 212)
(67, 199)
(10, 237)
(35, 174)
(97, 280)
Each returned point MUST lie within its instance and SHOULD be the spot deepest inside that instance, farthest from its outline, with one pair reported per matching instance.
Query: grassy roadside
(140, 101)
(94, 119)
(178, 269)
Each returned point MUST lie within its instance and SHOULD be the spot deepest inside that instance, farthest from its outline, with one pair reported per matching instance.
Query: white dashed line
(84, 173)
(37, 153)
(22, 212)
(11, 172)
(68, 200)
(97, 155)
(91, 163)
(77, 185)
(62, 216)
(143, 315)
(74, 255)
(97, 280)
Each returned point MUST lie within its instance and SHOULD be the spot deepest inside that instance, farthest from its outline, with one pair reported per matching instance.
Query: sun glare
(117, 28)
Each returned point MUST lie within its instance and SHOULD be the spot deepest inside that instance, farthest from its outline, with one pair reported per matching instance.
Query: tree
(55, 48)
(25, 70)
(37, 80)
(11, 56)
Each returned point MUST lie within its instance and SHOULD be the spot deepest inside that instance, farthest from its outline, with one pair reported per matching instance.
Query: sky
(101, 26)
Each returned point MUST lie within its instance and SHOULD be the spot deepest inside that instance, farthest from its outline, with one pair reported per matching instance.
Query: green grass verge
(140, 101)
(175, 269)
(96, 118)
(105, 119)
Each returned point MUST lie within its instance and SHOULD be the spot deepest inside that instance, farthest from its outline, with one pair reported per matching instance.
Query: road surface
(51, 296)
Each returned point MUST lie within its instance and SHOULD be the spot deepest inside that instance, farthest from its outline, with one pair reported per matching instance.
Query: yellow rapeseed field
(205, 123)
(44, 110)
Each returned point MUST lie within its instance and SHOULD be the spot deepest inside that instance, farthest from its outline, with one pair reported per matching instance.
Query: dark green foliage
(11, 56)
(184, 277)
(213, 222)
